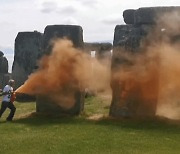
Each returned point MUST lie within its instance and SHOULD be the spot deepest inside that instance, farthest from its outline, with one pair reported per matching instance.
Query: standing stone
(127, 36)
(27, 50)
(131, 39)
(3, 64)
(149, 15)
(4, 75)
(4, 79)
(44, 104)
(1, 54)
(131, 97)
(128, 16)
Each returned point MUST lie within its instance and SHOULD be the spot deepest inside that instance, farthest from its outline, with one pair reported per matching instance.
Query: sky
(98, 18)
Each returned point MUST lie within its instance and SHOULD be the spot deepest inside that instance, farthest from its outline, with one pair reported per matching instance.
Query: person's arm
(6, 93)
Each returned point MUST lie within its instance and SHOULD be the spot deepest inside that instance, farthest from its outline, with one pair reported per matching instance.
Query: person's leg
(13, 110)
(3, 108)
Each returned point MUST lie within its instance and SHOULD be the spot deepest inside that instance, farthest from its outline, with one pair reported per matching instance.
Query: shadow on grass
(156, 123)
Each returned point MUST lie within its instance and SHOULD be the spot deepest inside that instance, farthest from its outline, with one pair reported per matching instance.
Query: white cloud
(89, 3)
(70, 21)
(48, 7)
(66, 10)
(55, 7)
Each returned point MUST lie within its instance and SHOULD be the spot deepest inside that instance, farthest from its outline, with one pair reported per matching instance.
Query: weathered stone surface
(4, 75)
(146, 15)
(131, 102)
(129, 37)
(1, 54)
(3, 65)
(128, 16)
(4, 78)
(27, 50)
(45, 104)
(71, 32)
(149, 15)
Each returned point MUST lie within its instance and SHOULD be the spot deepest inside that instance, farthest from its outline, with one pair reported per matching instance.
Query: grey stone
(149, 15)
(4, 75)
(71, 32)
(4, 78)
(44, 104)
(128, 16)
(1, 54)
(131, 38)
(27, 51)
(3, 65)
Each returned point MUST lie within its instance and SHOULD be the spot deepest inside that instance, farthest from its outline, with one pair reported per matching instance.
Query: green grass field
(90, 133)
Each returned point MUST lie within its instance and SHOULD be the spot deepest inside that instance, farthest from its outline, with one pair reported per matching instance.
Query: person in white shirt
(6, 100)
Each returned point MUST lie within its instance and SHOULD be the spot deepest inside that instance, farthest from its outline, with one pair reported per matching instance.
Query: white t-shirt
(7, 97)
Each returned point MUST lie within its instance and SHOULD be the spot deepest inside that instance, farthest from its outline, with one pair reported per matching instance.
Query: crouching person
(7, 100)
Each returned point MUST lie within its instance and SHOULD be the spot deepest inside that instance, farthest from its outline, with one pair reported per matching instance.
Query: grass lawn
(87, 133)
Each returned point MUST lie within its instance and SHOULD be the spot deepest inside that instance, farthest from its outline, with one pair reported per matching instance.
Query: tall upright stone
(130, 96)
(3, 63)
(44, 104)
(27, 51)
(4, 79)
(4, 75)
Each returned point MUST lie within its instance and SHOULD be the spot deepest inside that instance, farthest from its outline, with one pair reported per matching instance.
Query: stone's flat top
(146, 15)
(124, 26)
(158, 8)
(63, 26)
(54, 27)
(28, 34)
(71, 32)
